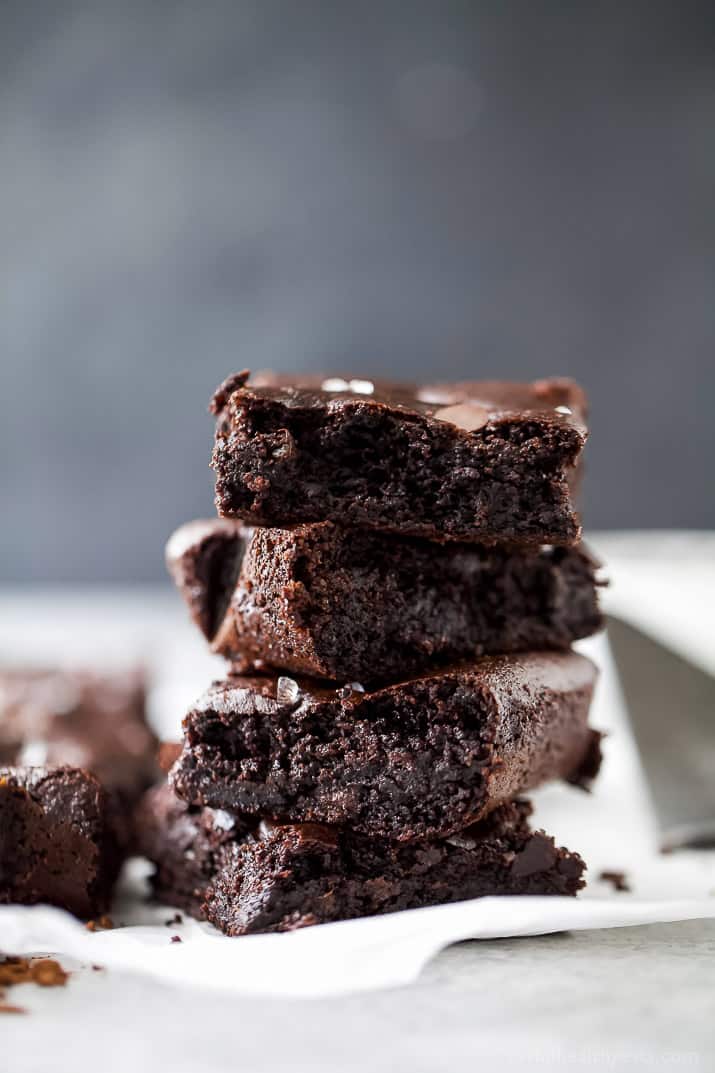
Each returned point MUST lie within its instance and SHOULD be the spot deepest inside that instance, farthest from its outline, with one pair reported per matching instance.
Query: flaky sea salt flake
(287, 690)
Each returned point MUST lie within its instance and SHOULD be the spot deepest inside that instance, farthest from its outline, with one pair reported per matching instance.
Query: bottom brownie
(57, 840)
(277, 878)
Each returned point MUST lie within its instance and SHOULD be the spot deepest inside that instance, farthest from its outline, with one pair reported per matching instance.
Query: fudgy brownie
(346, 604)
(302, 875)
(80, 718)
(57, 840)
(261, 877)
(419, 759)
(186, 844)
(487, 462)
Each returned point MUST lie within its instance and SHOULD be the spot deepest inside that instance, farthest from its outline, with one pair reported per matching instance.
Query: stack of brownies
(395, 580)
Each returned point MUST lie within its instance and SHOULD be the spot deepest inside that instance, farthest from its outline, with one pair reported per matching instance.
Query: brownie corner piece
(297, 876)
(483, 461)
(58, 840)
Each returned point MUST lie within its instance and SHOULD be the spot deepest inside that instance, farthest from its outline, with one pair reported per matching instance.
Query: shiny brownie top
(468, 405)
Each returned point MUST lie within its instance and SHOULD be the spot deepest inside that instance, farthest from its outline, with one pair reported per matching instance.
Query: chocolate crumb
(48, 973)
(176, 919)
(176, 938)
(168, 755)
(14, 970)
(103, 923)
(617, 880)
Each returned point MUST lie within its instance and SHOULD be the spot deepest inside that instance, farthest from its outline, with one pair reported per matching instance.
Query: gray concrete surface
(620, 1000)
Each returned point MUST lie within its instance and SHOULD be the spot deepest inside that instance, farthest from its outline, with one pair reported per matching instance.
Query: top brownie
(481, 461)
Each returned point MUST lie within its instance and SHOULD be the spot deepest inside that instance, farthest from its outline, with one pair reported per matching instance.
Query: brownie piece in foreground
(303, 875)
(486, 461)
(419, 759)
(57, 840)
(187, 845)
(343, 604)
(81, 718)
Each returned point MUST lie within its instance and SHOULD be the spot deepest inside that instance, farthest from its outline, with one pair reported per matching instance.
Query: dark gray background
(408, 188)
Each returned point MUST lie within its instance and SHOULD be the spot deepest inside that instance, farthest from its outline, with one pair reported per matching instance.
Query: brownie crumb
(176, 939)
(176, 919)
(49, 973)
(617, 880)
(103, 923)
(6, 1008)
(14, 970)
(45, 972)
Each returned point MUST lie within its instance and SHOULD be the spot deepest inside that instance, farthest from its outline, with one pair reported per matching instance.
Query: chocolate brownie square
(247, 877)
(82, 719)
(418, 759)
(303, 875)
(57, 840)
(341, 604)
(486, 461)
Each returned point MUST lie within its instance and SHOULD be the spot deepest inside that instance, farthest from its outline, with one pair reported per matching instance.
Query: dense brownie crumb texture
(484, 461)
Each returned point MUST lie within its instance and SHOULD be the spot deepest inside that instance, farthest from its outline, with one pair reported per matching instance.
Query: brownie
(417, 759)
(309, 874)
(328, 602)
(186, 843)
(57, 840)
(484, 461)
(262, 877)
(84, 719)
